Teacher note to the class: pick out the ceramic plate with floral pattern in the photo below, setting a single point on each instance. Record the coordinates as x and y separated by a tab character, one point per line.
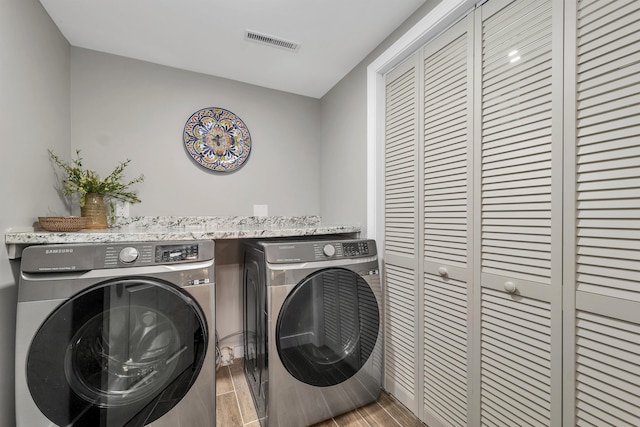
217	139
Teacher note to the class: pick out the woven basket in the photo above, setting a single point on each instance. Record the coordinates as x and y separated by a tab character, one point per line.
62	223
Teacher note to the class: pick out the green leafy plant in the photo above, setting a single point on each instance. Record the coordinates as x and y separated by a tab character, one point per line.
78	180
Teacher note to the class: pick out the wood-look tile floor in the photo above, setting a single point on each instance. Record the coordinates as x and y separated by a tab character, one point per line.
234	406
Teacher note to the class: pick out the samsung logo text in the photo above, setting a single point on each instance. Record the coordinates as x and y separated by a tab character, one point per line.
58	251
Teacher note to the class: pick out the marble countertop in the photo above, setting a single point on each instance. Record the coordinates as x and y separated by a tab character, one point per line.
152	229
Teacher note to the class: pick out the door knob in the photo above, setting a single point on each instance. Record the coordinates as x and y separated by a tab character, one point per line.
510	287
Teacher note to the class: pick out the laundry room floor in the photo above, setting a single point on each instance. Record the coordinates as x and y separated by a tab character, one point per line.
234	406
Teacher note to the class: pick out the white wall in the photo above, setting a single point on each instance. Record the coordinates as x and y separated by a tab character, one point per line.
125	108
34	116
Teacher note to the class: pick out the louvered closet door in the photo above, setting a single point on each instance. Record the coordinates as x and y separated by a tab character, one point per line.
603	259
401	244
519	224
448	153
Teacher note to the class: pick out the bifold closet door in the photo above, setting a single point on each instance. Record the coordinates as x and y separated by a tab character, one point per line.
602	320
401	267
447	168
518	188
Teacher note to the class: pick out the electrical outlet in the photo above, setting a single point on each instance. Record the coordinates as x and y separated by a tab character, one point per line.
122	209
260	210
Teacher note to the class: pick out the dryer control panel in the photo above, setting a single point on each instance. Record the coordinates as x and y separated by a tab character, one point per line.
356	248
308	251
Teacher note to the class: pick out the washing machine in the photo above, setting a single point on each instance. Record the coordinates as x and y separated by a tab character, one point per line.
116	334
312	322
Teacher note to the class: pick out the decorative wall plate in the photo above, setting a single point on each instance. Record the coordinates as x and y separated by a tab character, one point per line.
217	139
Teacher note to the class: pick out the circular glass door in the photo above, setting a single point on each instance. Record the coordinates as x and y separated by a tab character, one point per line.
327	327
120	353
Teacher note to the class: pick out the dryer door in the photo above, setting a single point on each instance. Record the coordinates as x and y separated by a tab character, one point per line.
255	337
327	327
122	353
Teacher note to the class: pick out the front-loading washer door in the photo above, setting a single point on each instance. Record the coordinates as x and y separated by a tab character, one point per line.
122	353
327	327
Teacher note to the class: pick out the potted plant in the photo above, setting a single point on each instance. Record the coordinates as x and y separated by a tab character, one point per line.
92	189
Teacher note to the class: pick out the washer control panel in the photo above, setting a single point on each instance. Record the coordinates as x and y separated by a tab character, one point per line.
172	253
83	257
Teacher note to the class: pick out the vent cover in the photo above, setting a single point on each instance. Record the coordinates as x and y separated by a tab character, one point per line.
271	41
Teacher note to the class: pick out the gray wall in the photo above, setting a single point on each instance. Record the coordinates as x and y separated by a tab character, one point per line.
343	121
124	108
34	115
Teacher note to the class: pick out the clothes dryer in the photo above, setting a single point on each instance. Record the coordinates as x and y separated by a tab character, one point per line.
313	335
116	335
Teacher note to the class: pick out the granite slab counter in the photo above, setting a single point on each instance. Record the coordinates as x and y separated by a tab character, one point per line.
173	228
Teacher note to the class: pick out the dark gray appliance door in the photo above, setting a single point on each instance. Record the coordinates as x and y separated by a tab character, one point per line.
122	353
327	327
255	327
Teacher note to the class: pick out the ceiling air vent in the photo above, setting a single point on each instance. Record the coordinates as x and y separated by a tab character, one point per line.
271	41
